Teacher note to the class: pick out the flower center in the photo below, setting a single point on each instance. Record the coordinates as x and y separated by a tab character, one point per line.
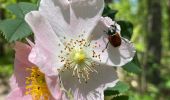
77	57
36	85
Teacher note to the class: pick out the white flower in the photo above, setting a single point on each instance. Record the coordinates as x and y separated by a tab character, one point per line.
67	45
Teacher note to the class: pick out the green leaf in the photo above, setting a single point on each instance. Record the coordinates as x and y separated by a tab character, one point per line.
126	29
121	97
14	29
121	87
109	12
21	9
110	92
133	66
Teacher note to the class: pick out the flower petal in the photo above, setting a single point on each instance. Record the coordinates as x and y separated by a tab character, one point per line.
21	63
46	62
107	22
44	34
22	51
18	94
12	82
73	17
85	14
53	86
18	80
93	89
56	12
47	45
119	56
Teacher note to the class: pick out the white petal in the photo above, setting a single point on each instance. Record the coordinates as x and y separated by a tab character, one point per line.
102	27
95	86
99	36
57	12
44	34
53	86
47	44
85	15
99	48
119	56
70	18
115	56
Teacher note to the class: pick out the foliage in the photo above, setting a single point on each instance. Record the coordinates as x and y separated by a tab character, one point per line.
17	28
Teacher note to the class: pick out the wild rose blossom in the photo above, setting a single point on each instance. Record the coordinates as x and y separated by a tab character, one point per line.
67	45
27	82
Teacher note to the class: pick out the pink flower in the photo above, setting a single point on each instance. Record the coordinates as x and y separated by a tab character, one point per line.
27	82
67	45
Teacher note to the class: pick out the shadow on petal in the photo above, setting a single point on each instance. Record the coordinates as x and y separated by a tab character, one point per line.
87	8
98	82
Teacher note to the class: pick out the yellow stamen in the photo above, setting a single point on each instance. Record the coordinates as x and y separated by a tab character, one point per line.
36	85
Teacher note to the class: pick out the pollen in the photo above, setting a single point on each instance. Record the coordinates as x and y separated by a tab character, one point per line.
77	57
36	85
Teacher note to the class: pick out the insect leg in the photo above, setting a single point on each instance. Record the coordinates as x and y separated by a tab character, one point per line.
106	46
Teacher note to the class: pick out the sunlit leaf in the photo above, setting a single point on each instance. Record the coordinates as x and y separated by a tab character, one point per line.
21	9
15	29
121	87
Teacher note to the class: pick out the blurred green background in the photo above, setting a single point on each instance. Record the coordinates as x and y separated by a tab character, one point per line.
151	36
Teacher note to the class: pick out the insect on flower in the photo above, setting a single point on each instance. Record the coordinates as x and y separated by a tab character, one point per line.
64	47
113	36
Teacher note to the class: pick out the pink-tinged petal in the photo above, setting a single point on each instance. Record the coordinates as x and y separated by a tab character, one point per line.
57	12
12	82
46	62
44	34
18	94
22	51
121	55
93	89
54	87
73	17
21	63
18	79
47	44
